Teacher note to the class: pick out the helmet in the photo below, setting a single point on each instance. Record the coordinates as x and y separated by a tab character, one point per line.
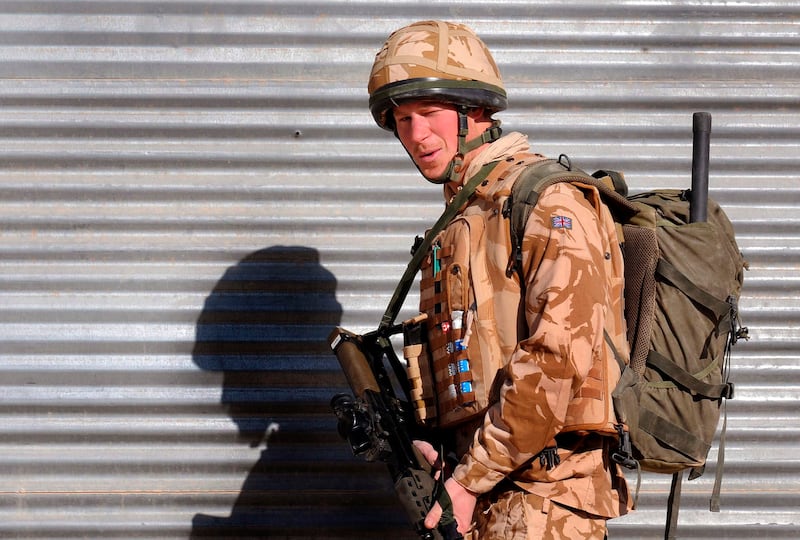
434	60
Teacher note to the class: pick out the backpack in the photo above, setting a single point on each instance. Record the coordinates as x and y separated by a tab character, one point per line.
682	284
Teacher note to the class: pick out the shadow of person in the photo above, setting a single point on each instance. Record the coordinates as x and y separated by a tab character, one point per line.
264	327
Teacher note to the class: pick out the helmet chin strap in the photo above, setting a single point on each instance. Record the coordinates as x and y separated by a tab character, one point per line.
456	166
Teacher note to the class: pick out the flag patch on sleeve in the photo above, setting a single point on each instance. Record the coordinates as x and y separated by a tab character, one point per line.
561	222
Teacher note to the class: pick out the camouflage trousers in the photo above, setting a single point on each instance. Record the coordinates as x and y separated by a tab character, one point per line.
517	515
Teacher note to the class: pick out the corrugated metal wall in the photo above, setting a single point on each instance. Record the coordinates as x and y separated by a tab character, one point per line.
192	193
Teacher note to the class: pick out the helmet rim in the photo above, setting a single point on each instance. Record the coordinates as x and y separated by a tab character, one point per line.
468	93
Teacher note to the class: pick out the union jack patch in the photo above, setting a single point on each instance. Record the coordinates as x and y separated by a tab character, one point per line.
561	222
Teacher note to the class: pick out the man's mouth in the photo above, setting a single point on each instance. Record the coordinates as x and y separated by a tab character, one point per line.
426	156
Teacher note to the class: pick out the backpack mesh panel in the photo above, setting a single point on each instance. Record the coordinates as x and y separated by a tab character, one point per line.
641	257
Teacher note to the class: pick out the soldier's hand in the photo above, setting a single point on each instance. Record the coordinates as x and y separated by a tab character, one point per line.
463	500
431	456
463	507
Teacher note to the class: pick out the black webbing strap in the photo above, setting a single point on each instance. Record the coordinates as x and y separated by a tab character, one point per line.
401	291
617	356
673	505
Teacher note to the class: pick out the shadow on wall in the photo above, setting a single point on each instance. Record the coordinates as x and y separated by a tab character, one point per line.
264	327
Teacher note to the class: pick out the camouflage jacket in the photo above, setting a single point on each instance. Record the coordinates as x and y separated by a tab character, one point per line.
554	387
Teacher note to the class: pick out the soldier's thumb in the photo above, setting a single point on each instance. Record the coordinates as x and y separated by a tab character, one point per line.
433	517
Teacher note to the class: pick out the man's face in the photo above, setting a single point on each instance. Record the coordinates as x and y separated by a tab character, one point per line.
429	132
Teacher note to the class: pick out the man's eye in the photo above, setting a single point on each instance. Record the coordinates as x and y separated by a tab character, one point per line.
434	112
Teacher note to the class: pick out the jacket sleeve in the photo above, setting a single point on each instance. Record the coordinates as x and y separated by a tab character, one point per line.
564	304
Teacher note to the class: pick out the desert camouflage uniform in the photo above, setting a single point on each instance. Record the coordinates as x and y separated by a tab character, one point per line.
555	386
555	370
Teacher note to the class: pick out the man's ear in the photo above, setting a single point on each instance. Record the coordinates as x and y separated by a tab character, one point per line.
478	114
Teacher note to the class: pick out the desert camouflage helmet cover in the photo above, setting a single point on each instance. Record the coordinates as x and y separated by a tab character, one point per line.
434	59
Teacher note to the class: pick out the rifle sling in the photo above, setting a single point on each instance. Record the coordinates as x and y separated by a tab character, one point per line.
401	291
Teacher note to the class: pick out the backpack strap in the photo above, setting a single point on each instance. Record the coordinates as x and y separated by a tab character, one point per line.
721	309
618	183
542	174
690	381
673	506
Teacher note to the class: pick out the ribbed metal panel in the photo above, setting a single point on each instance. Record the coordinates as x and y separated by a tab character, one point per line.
192	194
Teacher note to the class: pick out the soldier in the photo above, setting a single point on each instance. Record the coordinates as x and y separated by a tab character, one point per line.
525	404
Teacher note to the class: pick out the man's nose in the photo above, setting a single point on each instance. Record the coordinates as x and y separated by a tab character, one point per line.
419	128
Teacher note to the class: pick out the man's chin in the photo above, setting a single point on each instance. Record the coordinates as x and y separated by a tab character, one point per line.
431	174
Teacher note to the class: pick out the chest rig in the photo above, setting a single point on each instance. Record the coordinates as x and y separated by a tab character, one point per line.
453	350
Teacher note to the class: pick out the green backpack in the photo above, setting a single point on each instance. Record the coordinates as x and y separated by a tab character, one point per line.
682	284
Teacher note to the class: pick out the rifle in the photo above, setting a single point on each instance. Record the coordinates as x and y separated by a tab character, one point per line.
375	421
378	425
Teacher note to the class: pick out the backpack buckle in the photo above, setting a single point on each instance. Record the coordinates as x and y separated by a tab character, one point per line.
417	242
727	393
624	454
549	458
